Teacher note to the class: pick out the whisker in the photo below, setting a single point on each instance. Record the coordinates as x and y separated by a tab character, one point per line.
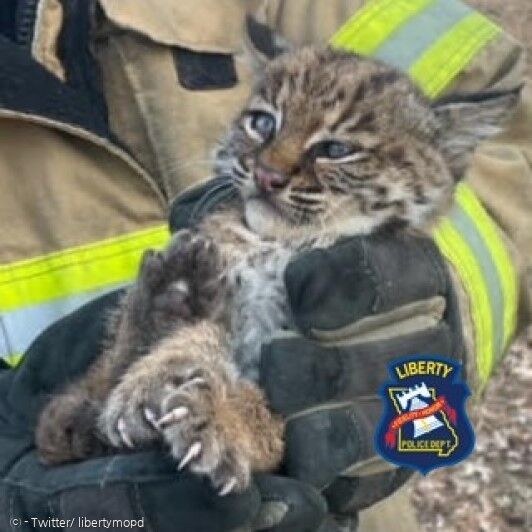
223	184
220	197
195	162
240	176
304	200
308	190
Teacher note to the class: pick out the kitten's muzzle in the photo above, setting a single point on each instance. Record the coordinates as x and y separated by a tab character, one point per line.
268	179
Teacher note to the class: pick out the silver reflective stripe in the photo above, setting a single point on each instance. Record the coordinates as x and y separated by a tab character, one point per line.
20	327
407	44
468	229
4	339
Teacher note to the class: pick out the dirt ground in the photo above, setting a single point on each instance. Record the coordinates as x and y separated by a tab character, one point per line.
492	490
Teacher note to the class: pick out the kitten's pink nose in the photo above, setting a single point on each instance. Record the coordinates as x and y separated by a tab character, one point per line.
269	179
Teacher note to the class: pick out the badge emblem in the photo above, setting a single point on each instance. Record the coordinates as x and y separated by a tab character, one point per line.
425	424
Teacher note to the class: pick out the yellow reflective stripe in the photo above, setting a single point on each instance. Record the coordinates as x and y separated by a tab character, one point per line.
500	256
78	269
13	360
373	24
457	251
440	64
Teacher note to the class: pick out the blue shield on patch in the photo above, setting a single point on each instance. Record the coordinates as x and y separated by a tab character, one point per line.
424	423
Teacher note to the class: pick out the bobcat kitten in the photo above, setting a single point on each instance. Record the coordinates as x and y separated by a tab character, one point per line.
329	144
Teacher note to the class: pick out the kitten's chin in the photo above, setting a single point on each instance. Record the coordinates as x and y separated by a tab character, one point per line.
266	221
262	218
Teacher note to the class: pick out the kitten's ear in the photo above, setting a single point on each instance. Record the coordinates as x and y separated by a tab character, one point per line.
467	120
262	44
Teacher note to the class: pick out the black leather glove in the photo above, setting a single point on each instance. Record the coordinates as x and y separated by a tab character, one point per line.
144	487
358	306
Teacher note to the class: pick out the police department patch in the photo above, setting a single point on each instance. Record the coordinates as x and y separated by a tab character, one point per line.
425	424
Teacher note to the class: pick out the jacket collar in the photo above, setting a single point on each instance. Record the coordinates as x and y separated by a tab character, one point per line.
28	88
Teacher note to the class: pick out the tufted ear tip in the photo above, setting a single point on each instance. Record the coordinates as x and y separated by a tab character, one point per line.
262	44
468	119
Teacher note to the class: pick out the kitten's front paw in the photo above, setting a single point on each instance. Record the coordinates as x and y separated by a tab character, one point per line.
188	409
185	280
129	417
201	427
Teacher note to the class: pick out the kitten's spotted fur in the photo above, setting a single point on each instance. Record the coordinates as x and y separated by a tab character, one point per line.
329	144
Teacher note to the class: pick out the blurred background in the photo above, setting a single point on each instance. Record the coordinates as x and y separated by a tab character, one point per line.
492	490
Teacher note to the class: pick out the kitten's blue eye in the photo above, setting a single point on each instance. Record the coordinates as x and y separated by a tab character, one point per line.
262	123
333	149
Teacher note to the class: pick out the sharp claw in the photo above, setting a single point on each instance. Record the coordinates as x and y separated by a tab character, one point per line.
227	487
121	426
196	381
151	417
174	416
193	452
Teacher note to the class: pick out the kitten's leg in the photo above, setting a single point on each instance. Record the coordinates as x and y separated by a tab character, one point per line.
67	428
187	389
181	284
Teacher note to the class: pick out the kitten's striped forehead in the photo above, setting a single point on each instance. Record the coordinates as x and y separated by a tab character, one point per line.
330	89
352	143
